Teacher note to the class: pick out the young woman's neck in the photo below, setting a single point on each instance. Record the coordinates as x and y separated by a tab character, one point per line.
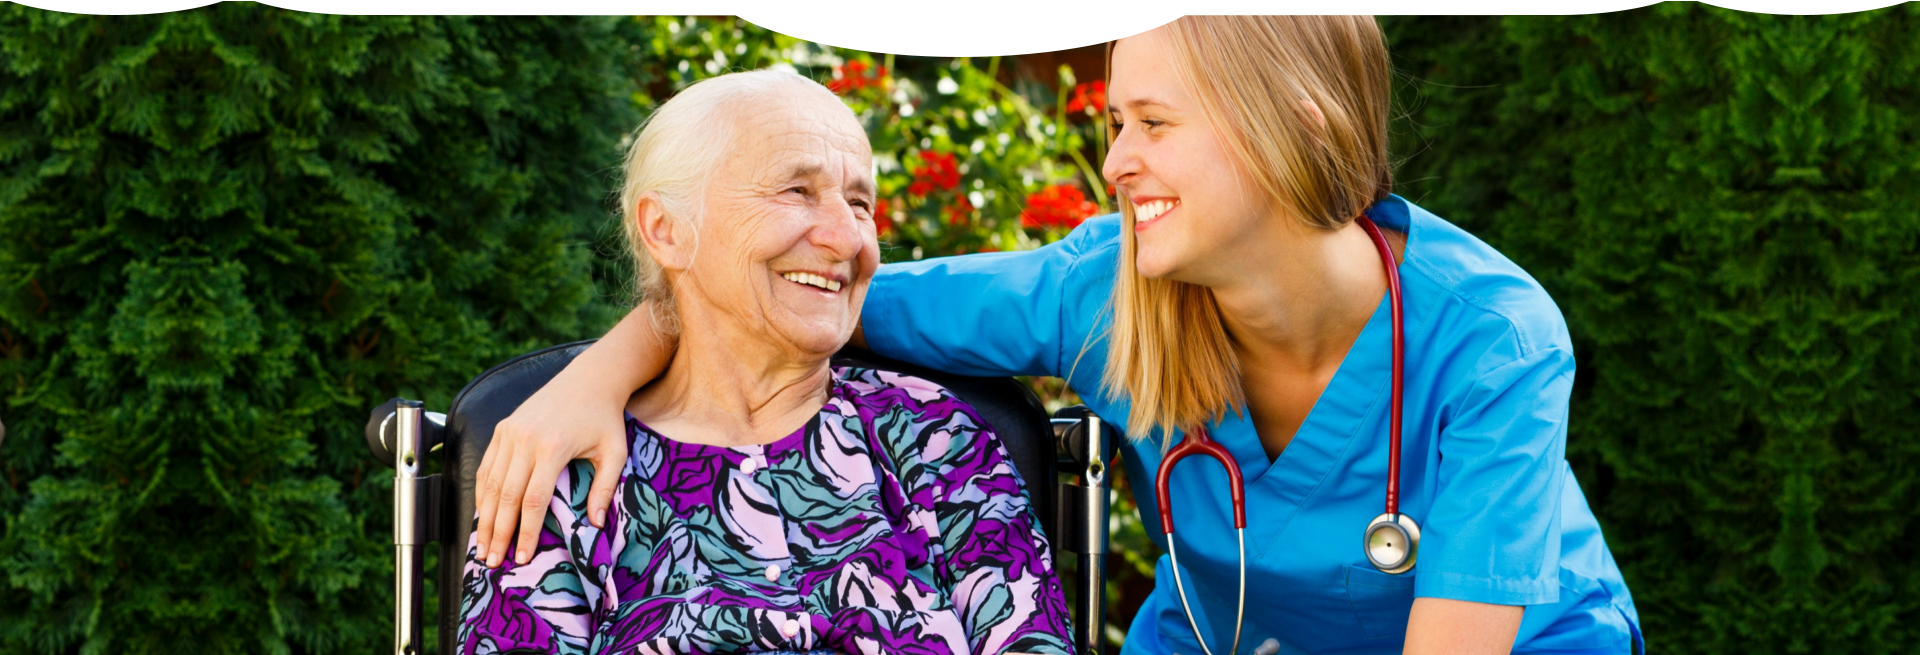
730	387
1301	294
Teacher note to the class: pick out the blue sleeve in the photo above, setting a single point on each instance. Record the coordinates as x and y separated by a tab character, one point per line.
993	314
1493	532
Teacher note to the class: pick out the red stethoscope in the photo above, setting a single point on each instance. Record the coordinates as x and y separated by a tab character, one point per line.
1392	539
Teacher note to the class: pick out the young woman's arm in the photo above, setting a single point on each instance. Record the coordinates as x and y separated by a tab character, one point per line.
1444	626
577	415
1009	313
1491	545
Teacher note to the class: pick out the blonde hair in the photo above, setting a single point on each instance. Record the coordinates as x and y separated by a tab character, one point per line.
1169	351
675	155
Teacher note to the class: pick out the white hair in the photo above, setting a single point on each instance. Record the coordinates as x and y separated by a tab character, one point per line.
675	156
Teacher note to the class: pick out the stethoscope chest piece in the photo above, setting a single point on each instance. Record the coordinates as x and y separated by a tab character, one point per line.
1392	543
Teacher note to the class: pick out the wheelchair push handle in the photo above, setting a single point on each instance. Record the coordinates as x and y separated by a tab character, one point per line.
382	431
400	433
1083	447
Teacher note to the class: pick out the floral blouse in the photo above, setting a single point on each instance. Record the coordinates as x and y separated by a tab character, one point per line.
894	522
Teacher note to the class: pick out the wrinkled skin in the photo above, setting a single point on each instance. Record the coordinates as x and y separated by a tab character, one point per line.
794	194
796	197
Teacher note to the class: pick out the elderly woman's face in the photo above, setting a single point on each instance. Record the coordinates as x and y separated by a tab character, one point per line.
788	246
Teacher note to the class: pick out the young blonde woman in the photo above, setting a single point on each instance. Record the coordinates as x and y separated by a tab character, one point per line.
1240	293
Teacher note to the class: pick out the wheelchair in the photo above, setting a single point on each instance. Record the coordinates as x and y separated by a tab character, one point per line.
1074	443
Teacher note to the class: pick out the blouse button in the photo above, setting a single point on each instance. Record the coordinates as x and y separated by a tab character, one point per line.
748	465
773	572
790	628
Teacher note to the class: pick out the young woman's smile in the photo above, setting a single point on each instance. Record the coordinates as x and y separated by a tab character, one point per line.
1148	211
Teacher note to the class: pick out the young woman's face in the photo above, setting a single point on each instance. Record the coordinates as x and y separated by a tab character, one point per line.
1192	201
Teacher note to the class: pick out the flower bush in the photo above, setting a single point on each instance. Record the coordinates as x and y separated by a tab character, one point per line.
1088	98
1059	205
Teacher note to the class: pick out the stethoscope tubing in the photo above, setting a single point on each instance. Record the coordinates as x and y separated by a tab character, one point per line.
1197	441
1399	366
1240	611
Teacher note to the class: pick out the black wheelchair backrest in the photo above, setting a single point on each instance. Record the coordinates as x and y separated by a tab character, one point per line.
1007	406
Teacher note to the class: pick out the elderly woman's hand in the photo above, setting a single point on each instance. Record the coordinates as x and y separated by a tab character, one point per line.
580	414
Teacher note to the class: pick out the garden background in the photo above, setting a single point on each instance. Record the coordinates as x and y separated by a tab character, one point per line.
226	233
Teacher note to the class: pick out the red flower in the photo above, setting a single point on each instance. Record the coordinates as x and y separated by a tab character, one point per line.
1088	97
882	216
937	171
853	76
959	211
1059	205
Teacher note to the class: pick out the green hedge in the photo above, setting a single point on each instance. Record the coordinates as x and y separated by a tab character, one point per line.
1724	206
225	233
228	232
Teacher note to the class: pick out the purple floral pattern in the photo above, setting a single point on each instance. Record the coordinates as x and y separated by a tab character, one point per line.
893	523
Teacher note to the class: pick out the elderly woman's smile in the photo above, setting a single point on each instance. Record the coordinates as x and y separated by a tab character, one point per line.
825	282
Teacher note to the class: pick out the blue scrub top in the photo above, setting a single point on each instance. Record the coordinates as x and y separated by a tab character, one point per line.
1489	374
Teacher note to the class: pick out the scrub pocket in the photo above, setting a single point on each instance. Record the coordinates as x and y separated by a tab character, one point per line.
1381	602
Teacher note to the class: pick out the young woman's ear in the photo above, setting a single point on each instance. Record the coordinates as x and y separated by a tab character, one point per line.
667	238
1313	110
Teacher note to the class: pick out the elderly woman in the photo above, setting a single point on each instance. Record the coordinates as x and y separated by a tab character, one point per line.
772	502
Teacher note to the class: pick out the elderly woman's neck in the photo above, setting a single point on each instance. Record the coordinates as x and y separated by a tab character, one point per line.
731	392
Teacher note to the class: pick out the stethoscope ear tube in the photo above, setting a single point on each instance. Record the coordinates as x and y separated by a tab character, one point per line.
1196	441
1239	614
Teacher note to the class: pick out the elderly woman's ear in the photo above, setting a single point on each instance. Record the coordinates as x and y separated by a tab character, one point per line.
669	239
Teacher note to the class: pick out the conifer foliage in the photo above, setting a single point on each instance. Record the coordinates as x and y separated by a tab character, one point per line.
1723	205
225	234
